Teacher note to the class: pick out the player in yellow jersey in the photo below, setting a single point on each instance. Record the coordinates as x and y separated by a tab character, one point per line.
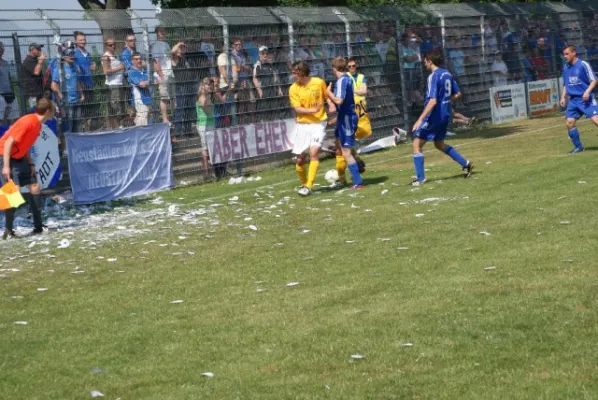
307	97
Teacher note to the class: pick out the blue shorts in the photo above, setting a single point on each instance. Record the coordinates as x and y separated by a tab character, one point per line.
346	126
431	132
577	107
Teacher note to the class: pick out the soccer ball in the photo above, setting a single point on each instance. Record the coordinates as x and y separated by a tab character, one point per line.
331	176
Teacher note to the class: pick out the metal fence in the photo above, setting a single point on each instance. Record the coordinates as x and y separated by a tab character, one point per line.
220	77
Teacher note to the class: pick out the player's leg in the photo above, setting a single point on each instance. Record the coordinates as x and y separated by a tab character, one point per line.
300	168
317	133
346	133
573	113
300	147
341	164
418	158
574	135
455	155
9	213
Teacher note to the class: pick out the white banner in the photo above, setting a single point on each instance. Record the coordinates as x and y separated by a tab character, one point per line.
508	103
543	97
239	142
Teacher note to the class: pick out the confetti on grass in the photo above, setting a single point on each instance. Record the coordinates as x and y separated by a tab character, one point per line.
21	322
176	301
485	233
95	393
357	356
490	268
291	284
208	374
405	345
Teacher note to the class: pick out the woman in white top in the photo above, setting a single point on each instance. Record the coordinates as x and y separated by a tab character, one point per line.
114	72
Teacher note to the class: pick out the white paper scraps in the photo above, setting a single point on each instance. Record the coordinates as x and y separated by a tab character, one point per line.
291	284
419	215
64	243
568	260
208	374
384	192
252	227
562	197
354	206
21	322
565	222
349	241
581	182
99	258
260	290
306	230
405	345
16	297
182	237
402	248
368	210
357	356
490	268
384	239
234	198
97	371
111	260
485	233
488	162
248	219
95	393
32	244
176	301
42	289
278	244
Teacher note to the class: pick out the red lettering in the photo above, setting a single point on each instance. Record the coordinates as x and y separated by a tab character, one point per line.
243	142
234	143
258	139
216	155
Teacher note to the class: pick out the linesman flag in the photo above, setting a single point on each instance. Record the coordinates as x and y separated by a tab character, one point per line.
10	196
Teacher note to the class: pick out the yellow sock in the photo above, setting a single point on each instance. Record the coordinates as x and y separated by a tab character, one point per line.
313	171
301	173
341	166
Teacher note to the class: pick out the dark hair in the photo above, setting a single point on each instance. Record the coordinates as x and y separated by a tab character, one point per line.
571	48
135	54
351	59
78	33
43	105
435	57
159	28
301	67
339	64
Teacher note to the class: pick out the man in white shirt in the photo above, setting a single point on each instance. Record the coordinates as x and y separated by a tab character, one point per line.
223	68
163	67
500	72
114	71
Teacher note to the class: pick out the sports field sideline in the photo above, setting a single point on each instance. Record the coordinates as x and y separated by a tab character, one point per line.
480	288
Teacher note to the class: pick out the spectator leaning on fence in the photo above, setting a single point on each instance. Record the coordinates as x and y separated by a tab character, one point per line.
5	87
206	122
86	68
266	82
72	82
500	72
141	96
32	74
225	69
114	72
161	53
127	54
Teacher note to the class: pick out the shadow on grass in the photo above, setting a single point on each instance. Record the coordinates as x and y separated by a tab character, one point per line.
374	180
460	176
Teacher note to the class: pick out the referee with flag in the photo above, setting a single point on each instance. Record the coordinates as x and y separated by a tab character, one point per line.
17	164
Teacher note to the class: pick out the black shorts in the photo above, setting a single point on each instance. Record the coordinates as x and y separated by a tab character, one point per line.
20	172
8	97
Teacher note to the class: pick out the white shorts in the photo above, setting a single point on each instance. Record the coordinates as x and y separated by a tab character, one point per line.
308	136
202	131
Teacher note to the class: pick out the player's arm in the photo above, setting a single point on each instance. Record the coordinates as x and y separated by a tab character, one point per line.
55	85
299	109
455	91
7	151
363	90
340	92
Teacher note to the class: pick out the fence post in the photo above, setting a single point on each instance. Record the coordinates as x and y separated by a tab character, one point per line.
404	94
482	70
347	30
18	62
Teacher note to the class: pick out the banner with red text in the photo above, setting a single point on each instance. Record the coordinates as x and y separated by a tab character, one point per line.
246	141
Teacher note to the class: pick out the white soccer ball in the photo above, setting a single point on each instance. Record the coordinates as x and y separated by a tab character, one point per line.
331	176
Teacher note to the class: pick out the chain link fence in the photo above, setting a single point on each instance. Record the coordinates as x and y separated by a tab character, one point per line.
207	72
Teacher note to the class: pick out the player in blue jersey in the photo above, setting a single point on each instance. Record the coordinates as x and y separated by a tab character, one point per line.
346	120
579	82
434	120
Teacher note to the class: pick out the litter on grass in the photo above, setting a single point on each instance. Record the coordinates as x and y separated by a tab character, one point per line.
357	356
176	301
208	374
291	284
490	268
95	393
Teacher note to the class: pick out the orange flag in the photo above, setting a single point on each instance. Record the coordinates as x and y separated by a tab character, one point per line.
10	197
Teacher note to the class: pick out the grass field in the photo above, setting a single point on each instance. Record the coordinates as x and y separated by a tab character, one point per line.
494	285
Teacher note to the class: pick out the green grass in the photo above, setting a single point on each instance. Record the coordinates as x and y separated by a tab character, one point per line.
526	329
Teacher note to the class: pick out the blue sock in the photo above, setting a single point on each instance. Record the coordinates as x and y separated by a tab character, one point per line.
574	135
454	154
354	169
418	163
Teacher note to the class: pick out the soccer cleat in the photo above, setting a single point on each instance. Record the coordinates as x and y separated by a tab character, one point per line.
337	185
304	191
576	150
467	170
357	187
9	235
39	231
361	165
415	182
